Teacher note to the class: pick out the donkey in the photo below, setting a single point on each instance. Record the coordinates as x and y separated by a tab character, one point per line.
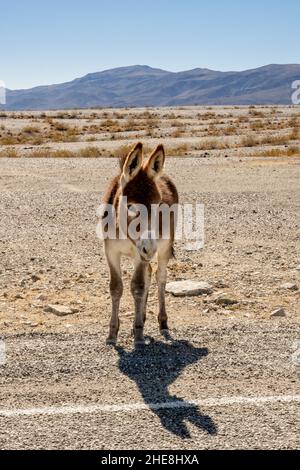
140	183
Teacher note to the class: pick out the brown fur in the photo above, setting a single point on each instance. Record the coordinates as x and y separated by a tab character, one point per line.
142	189
142	182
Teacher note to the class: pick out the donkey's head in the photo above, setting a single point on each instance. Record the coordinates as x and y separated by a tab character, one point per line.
139	194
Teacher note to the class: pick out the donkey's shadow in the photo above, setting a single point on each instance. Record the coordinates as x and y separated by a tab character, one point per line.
153	369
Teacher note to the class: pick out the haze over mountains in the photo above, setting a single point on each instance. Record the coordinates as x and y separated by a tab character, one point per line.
141	85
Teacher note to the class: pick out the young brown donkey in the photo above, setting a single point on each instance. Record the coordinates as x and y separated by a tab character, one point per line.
141	183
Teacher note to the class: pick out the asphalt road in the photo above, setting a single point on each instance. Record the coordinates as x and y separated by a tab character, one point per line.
234	386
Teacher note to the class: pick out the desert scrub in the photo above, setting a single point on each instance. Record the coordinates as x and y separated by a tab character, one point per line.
122	151
282	139
30	130
86	152
9	153
131	125
178	150
230	130
9	139
212	144
242	119
294	122
249	141
256	113
110	125
256	125
49	153
90	152
59	126
291	151
294	134
177	133
207	116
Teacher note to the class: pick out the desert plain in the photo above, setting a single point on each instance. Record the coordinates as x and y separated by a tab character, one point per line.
243	164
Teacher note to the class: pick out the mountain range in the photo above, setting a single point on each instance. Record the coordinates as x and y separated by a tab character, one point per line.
141	85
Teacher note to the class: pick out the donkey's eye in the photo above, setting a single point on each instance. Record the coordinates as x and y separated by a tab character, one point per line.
132	210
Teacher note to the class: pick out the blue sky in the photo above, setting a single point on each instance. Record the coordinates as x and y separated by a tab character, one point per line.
56	41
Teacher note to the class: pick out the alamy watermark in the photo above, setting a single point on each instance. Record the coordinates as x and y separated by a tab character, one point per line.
296	353
2	352
184	222
296	94
2	93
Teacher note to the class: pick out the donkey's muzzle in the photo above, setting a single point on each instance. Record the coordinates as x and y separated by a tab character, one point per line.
147	246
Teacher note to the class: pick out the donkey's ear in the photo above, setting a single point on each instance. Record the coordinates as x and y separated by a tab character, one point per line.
133	163
155	163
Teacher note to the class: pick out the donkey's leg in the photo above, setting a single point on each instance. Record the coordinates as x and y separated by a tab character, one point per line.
116	290
161	278
139	289
148	282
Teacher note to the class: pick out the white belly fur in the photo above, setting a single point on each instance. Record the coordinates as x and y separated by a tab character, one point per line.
128	249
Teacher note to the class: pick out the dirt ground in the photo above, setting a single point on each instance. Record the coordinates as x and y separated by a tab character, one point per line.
49	253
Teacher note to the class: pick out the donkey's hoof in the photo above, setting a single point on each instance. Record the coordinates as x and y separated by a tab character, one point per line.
139	343
165	333
111	341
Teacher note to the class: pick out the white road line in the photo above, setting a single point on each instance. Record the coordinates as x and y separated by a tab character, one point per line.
205	402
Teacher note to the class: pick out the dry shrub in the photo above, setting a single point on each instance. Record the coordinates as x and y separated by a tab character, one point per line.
212	144
291	151
293	122
294	135
9	153
110	125
282	139
256	125
9	140
86	152
241	119
131	125
31	130
249	141
122	151
229	130
59	126
90	152
177	133
178	150
256	113
207	116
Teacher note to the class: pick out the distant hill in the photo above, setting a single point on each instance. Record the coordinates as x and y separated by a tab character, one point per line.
140	85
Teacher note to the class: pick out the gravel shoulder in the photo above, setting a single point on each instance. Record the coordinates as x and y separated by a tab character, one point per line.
49	251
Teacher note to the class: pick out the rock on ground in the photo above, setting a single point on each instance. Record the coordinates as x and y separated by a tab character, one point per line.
188	288
279	312
289	286
60	310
